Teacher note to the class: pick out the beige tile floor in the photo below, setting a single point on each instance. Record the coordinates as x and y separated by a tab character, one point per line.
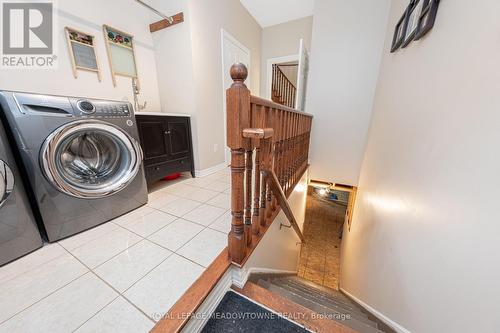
320	255
122	275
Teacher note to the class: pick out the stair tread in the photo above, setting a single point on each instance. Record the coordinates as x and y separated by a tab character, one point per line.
324	293
328	301
362	325
359	323
317	288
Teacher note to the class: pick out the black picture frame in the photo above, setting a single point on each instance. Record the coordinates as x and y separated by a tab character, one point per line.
399	30
414	12
427	18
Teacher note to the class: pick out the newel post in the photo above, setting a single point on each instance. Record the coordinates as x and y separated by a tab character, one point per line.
238	118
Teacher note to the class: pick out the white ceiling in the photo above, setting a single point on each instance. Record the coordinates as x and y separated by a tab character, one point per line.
271	12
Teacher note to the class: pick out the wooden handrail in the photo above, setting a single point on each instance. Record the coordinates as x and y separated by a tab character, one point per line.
269	145
280	195
258	133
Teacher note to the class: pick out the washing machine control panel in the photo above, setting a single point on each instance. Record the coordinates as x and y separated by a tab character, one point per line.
105	109
113	110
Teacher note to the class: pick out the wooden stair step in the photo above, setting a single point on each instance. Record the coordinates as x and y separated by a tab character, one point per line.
329	302
318	292
296	312
358	325
328	292
335	307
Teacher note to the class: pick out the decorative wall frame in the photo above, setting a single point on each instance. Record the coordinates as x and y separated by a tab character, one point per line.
427	18
412	18
82	52
399	31
121	53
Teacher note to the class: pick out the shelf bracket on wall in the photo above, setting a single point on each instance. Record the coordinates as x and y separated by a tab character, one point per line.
162	24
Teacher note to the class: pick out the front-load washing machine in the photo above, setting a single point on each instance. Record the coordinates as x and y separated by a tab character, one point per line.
81	157
19	234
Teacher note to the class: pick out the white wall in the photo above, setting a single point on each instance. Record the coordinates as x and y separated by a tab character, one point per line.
174	63
208	17
283	40
189	61
89	16
347	43
278	249
423	248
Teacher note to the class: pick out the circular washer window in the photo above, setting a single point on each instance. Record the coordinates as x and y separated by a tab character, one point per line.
90	160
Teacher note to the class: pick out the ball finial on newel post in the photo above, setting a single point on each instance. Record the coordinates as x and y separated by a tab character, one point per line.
239	73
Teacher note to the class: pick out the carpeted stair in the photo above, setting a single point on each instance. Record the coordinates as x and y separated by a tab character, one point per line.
237	314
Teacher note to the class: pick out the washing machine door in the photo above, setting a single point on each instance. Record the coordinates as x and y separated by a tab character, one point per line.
6	182
90	159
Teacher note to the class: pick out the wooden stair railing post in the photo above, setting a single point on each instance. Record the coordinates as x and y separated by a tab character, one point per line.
238	118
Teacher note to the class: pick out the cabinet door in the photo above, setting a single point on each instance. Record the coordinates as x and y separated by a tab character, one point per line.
178	137
153	139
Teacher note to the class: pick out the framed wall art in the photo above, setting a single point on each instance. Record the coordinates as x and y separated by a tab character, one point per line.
82	52
413	17
427	18
397	39
121	53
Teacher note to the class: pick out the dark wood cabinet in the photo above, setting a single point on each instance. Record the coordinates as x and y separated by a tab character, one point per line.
166	144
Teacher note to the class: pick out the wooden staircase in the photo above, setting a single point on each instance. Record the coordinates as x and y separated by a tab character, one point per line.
320	309
283	91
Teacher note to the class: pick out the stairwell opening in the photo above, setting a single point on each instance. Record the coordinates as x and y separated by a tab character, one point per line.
328	208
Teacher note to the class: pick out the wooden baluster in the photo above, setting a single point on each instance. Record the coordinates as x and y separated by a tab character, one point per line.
284	149
297	150
287	90
269	165
238	118
271	196
273	81
282	133
265	184
248	194
258	122
294	153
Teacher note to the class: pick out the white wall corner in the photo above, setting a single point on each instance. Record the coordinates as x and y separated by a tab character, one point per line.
389	322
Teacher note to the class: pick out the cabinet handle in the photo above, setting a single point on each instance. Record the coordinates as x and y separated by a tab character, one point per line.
167	132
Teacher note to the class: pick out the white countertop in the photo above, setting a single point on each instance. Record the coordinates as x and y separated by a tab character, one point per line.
162	114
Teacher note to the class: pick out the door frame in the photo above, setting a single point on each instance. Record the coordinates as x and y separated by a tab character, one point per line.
270	63
224	35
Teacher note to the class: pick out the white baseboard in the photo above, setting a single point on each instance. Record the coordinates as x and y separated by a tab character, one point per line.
240	275
209	171
389	322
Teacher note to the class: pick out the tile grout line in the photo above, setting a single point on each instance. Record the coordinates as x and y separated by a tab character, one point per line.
114	289
38	301
90	270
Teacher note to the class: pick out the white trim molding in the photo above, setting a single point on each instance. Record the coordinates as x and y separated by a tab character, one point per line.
224	35
207	308
389	322
240	275
211	170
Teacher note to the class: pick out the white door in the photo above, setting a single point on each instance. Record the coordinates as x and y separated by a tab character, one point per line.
303	73
232	52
